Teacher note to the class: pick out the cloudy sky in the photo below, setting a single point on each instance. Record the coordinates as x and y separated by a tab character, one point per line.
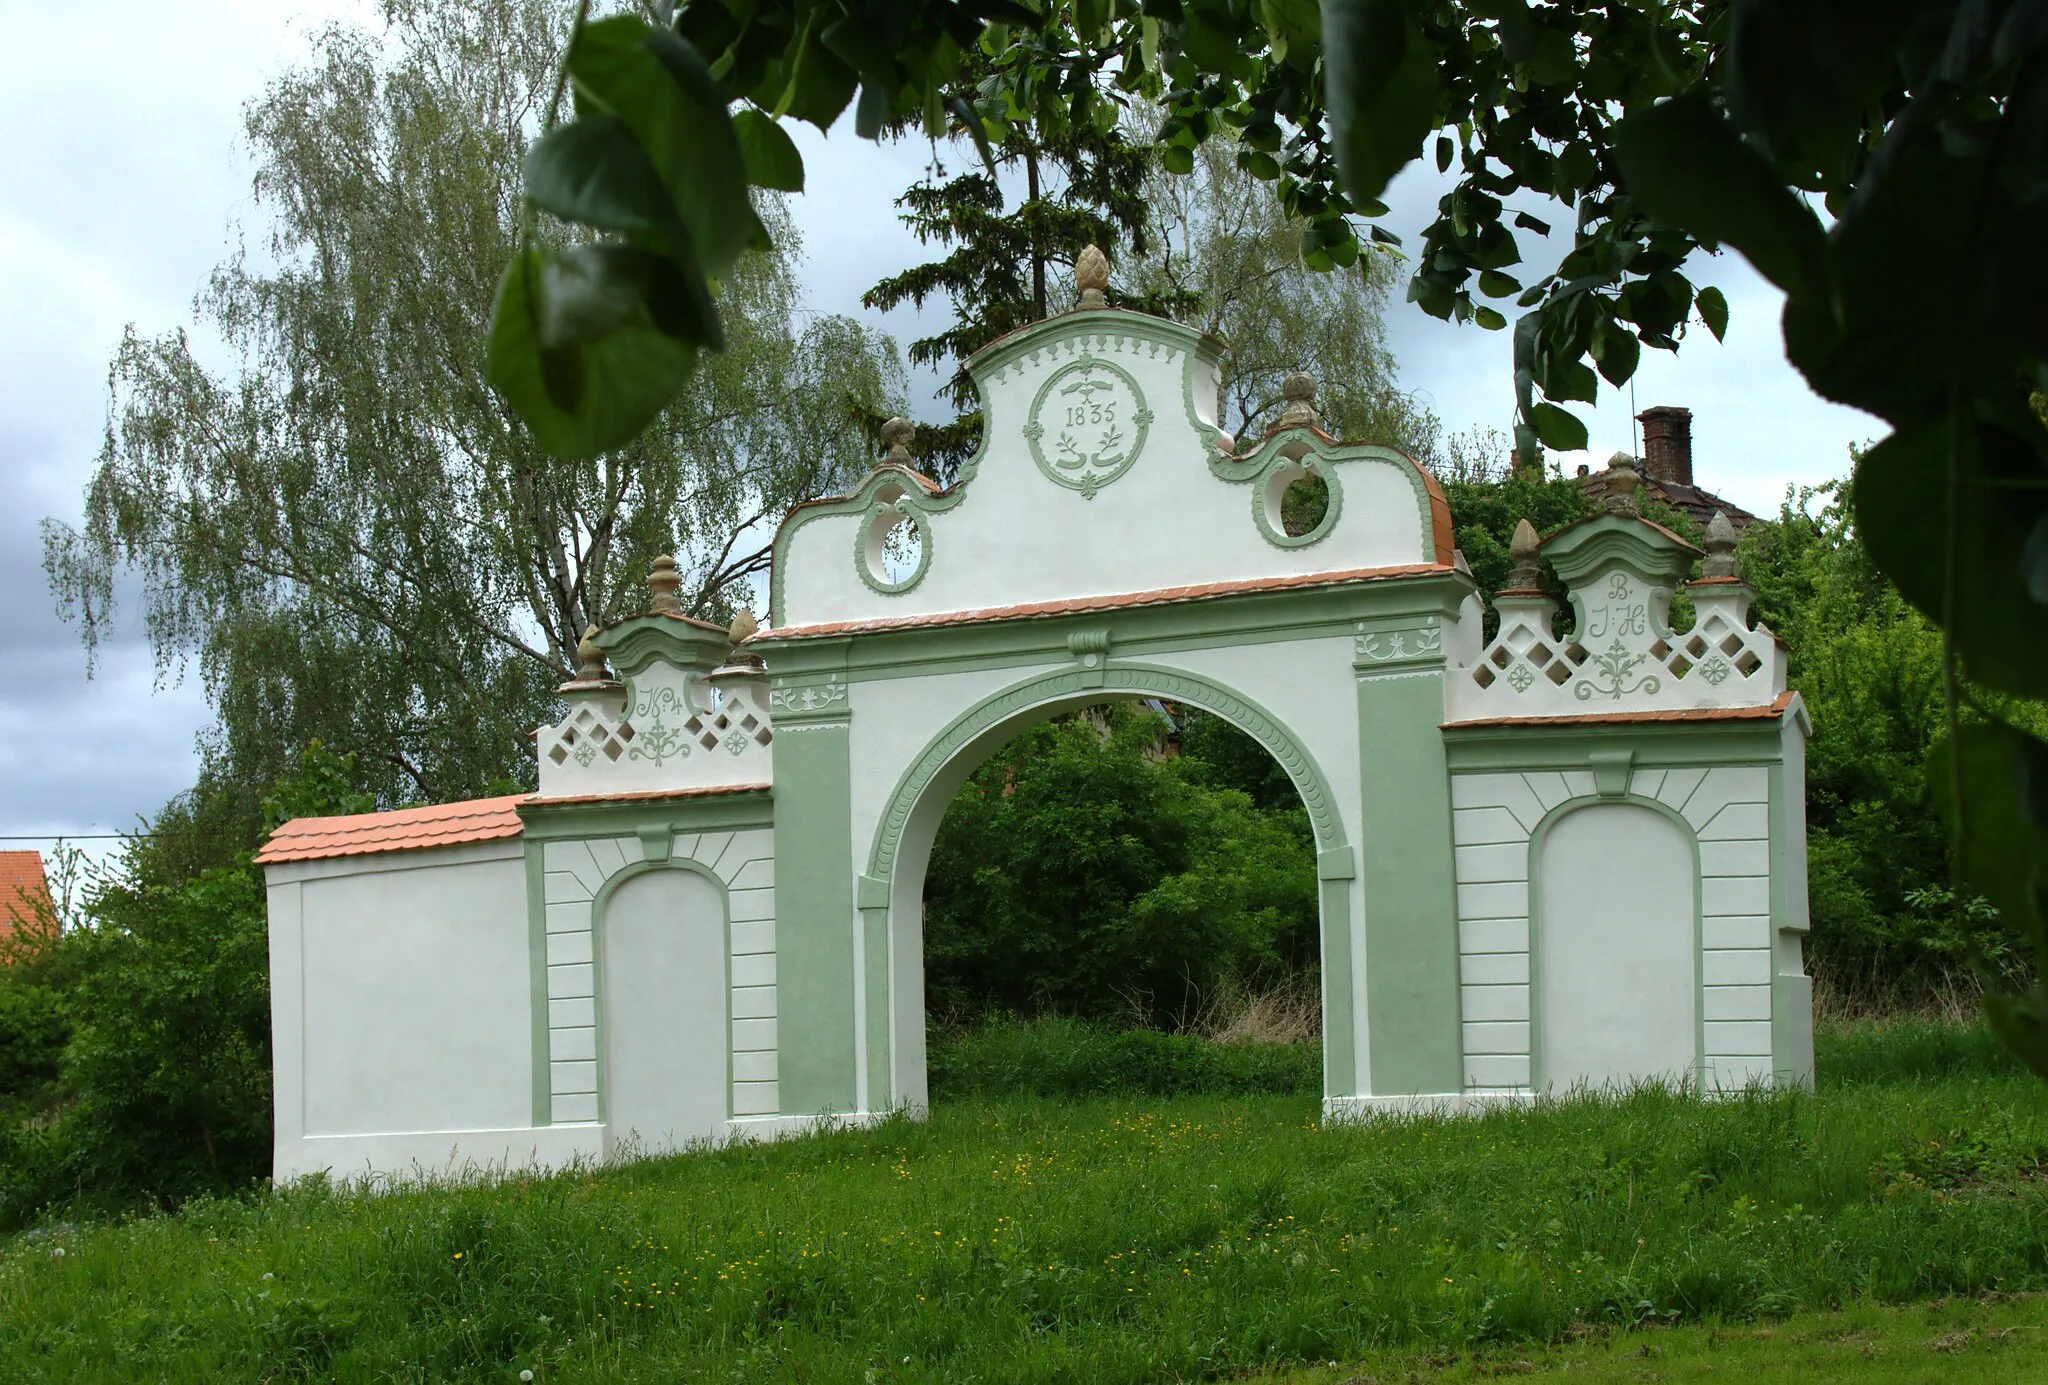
124	179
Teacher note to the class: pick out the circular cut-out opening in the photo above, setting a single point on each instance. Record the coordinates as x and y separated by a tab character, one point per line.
1303	504
895	549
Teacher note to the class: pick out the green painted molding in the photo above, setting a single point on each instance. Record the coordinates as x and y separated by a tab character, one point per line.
1034	427
1397	644
907	491
546	821
637	641
871	893
1611	771
537	972
1234	619
1654	744
1338	863
1141	679
892	511
1592	545
1314	452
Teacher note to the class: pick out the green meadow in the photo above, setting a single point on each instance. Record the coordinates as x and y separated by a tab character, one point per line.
1131	1236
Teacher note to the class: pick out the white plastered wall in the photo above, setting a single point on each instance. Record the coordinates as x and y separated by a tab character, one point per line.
401	1014
1495	816
402	1003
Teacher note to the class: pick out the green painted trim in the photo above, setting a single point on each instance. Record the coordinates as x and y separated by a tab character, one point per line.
1590	546
1237	619
1656	745
548	822
1413	1005
1102	325
1276	534
637	641
815	920
1699	979
1020	698
900	509
632	870
1383	645
537	984
1338	863
1340	1025
874	923
912	498
1291	444
1034	429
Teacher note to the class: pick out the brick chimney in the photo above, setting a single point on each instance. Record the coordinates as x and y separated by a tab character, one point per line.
1667	443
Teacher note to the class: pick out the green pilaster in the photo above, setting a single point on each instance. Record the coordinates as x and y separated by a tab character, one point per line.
1411	925
814	917
872	896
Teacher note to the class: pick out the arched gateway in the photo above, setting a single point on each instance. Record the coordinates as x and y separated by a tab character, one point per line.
1546	859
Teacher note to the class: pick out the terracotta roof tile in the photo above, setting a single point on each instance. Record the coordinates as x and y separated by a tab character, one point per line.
1771	713
404	829
444	824
1085	605
24	890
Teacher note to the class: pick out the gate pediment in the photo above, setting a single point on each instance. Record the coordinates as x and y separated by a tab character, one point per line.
1102	472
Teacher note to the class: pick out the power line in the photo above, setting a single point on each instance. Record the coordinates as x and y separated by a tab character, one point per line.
78	837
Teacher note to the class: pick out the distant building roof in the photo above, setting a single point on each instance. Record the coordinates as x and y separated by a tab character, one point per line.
25	901
1667	470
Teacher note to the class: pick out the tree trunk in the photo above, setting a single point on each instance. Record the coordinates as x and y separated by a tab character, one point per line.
1037	250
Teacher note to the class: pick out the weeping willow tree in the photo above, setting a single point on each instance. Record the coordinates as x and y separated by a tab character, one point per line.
332	515
1219	242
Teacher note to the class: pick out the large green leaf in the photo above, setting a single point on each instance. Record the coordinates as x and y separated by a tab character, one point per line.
770	154
1560	431
587	347
1903	490
656	84
2001	851
1686	166
1382	89
593	172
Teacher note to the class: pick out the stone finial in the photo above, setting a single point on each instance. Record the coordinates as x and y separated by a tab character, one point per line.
1091	276
590	659
1720	546
1527	551
1299	390
743	627
897	434
1619	484
662	584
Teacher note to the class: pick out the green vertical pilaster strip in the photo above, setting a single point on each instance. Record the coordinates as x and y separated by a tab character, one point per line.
1335	870
1411	918
814	917
872	896
537	969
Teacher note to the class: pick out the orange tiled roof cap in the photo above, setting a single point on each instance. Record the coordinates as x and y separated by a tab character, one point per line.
403	829
444	824
24	891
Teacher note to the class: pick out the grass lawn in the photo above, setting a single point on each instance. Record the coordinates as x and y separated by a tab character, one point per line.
1949	1342
1134	1238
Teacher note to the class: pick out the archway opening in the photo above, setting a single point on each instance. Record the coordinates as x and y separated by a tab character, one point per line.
1140	864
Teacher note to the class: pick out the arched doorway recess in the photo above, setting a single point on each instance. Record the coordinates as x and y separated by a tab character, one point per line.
894	1021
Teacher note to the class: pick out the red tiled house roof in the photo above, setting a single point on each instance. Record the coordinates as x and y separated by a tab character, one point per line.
24	893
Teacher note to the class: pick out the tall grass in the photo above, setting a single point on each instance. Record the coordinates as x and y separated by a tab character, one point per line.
1108	1240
